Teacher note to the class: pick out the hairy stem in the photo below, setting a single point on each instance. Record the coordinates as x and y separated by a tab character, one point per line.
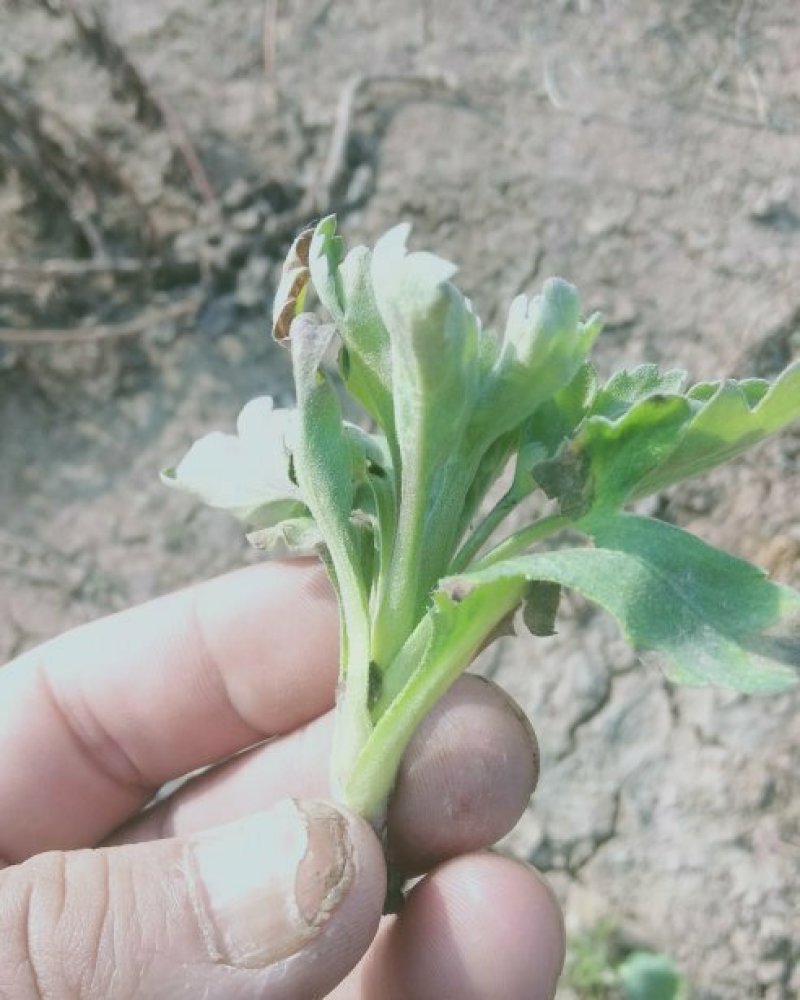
521	540
444	659
484	530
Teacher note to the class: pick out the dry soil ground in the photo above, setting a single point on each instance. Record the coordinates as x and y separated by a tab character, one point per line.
649	151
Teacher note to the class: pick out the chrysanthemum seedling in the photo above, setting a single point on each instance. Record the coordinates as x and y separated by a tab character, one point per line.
396	513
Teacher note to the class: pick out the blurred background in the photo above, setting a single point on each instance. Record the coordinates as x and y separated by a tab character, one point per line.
156	158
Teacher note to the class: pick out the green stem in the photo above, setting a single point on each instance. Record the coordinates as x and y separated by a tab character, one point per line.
386	506
353	725
484	531
402	667
423	547
372	778
394	615
521	540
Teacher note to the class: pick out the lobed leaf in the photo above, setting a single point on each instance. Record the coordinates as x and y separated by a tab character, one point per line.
629	386
365	363
435	341
639	435
544	345
246	474
727	421
620	453
705	615
325	253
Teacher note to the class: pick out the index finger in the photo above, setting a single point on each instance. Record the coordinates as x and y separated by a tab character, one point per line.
91	723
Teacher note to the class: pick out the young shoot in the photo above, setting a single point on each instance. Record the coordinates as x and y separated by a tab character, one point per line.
397	512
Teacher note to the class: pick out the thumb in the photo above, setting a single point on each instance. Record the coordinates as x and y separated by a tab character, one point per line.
279	905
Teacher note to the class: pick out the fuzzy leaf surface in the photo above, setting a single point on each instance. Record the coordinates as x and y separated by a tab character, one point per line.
620	453
630	385
641	434
435	342
366	362
325	253
544	345
324	460
729	417
706	616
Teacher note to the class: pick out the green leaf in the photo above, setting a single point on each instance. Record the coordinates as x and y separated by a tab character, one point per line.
435	360
545	458
325	253
727	421
323	452
619	453
434	336
441	647
365	363
754	390
640	436
705	615
632	425
544	345
323	462
345	289
722	621
246	474
645	975
540	607
628	386
556	420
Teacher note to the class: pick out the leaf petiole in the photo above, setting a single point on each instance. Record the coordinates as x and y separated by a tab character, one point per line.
517	543
485	529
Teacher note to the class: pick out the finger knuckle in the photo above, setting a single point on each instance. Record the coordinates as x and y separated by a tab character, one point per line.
53	928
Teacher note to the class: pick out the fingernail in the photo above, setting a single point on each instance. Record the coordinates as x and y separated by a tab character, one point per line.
267	885
325	865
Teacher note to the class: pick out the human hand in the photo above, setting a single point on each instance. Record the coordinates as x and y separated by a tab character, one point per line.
229	888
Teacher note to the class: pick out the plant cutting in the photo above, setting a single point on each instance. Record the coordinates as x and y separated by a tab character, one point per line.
423	569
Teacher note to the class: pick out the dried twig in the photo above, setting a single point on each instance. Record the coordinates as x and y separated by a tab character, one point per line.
191	158
42	158
737	55
126	78
109	331
61	163
151	107
334	166
178	271
74	268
